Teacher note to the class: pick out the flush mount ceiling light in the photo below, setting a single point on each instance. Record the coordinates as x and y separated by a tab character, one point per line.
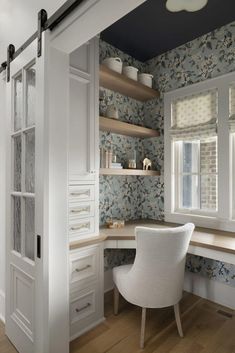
186	5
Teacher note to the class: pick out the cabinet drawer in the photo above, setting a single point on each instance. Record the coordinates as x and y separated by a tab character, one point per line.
86	309
84	266
81	193
82	306
80	227
81	210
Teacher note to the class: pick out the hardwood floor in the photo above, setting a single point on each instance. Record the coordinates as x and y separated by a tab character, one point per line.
208	328
5	344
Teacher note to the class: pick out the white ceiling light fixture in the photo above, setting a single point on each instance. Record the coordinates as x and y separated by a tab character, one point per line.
185	5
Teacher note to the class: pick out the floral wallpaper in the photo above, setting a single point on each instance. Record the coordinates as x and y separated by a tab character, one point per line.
121	196
206	57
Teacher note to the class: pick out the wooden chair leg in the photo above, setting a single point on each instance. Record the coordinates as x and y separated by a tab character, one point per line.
115	300
142	332
178	320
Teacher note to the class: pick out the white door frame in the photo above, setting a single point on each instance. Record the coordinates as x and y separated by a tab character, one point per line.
82	25
88	20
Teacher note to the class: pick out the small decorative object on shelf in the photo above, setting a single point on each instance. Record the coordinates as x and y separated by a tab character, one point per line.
131	72
132	159
115	223
146	79
116	165
114	64
102	157
112	112
147	164
109	159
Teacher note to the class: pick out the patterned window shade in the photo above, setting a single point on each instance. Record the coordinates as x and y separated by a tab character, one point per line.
195	116
232	107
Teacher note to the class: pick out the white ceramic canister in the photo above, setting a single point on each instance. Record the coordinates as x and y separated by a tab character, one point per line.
146	79
114	64
131	72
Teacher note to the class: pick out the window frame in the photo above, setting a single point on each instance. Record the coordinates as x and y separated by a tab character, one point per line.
224	218
233	174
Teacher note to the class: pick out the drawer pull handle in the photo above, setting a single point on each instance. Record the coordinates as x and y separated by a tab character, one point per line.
78	310
80	210
81	226
82	269
86	193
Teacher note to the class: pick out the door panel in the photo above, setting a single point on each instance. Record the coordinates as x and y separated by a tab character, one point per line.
22	300
22	197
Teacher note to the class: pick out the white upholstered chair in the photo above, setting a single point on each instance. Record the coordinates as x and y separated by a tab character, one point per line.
155	280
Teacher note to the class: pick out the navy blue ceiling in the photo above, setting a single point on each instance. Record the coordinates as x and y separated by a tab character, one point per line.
151	30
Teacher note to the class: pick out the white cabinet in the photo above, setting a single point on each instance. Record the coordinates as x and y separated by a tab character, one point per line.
86	289
86	264
83	208
83	123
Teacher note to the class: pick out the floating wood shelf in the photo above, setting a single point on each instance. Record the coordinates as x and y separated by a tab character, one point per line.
120	127
126	86
115	171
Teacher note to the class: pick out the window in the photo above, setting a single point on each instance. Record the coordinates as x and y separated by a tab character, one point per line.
194	137
199	158
196	175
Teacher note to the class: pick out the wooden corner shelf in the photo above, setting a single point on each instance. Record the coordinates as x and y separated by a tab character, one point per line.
122	128
113	171
126	86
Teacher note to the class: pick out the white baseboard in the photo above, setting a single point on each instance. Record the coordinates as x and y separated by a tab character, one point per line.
88	328
215	291
2	306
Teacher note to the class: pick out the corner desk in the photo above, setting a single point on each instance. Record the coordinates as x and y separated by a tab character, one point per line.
210	243
213	244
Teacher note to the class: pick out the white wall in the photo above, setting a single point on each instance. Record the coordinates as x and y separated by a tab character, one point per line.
18	20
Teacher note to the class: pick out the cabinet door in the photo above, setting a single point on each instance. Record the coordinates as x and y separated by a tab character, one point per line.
83	125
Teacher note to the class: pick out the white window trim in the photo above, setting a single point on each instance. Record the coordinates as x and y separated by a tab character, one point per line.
223	218
232	161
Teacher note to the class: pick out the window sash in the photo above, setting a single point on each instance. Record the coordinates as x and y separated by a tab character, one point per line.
178	181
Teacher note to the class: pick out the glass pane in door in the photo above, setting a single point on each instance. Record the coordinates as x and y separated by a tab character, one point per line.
18	91
30	96
17	223
30	161
17	163
29	227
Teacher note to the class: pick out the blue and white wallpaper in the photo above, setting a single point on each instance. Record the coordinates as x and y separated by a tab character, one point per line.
143	197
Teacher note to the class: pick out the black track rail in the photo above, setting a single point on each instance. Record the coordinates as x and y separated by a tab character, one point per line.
51	23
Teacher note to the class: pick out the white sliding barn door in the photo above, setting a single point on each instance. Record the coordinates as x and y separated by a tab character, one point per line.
24	200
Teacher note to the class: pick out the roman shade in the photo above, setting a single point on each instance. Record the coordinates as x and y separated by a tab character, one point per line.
195	116
232	108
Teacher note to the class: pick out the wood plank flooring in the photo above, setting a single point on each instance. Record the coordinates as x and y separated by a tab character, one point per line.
5	344
208	328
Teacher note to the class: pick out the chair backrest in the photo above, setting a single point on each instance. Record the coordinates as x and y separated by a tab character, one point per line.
160	264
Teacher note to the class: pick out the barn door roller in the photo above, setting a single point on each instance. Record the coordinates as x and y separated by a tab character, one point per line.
42	19
10	53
